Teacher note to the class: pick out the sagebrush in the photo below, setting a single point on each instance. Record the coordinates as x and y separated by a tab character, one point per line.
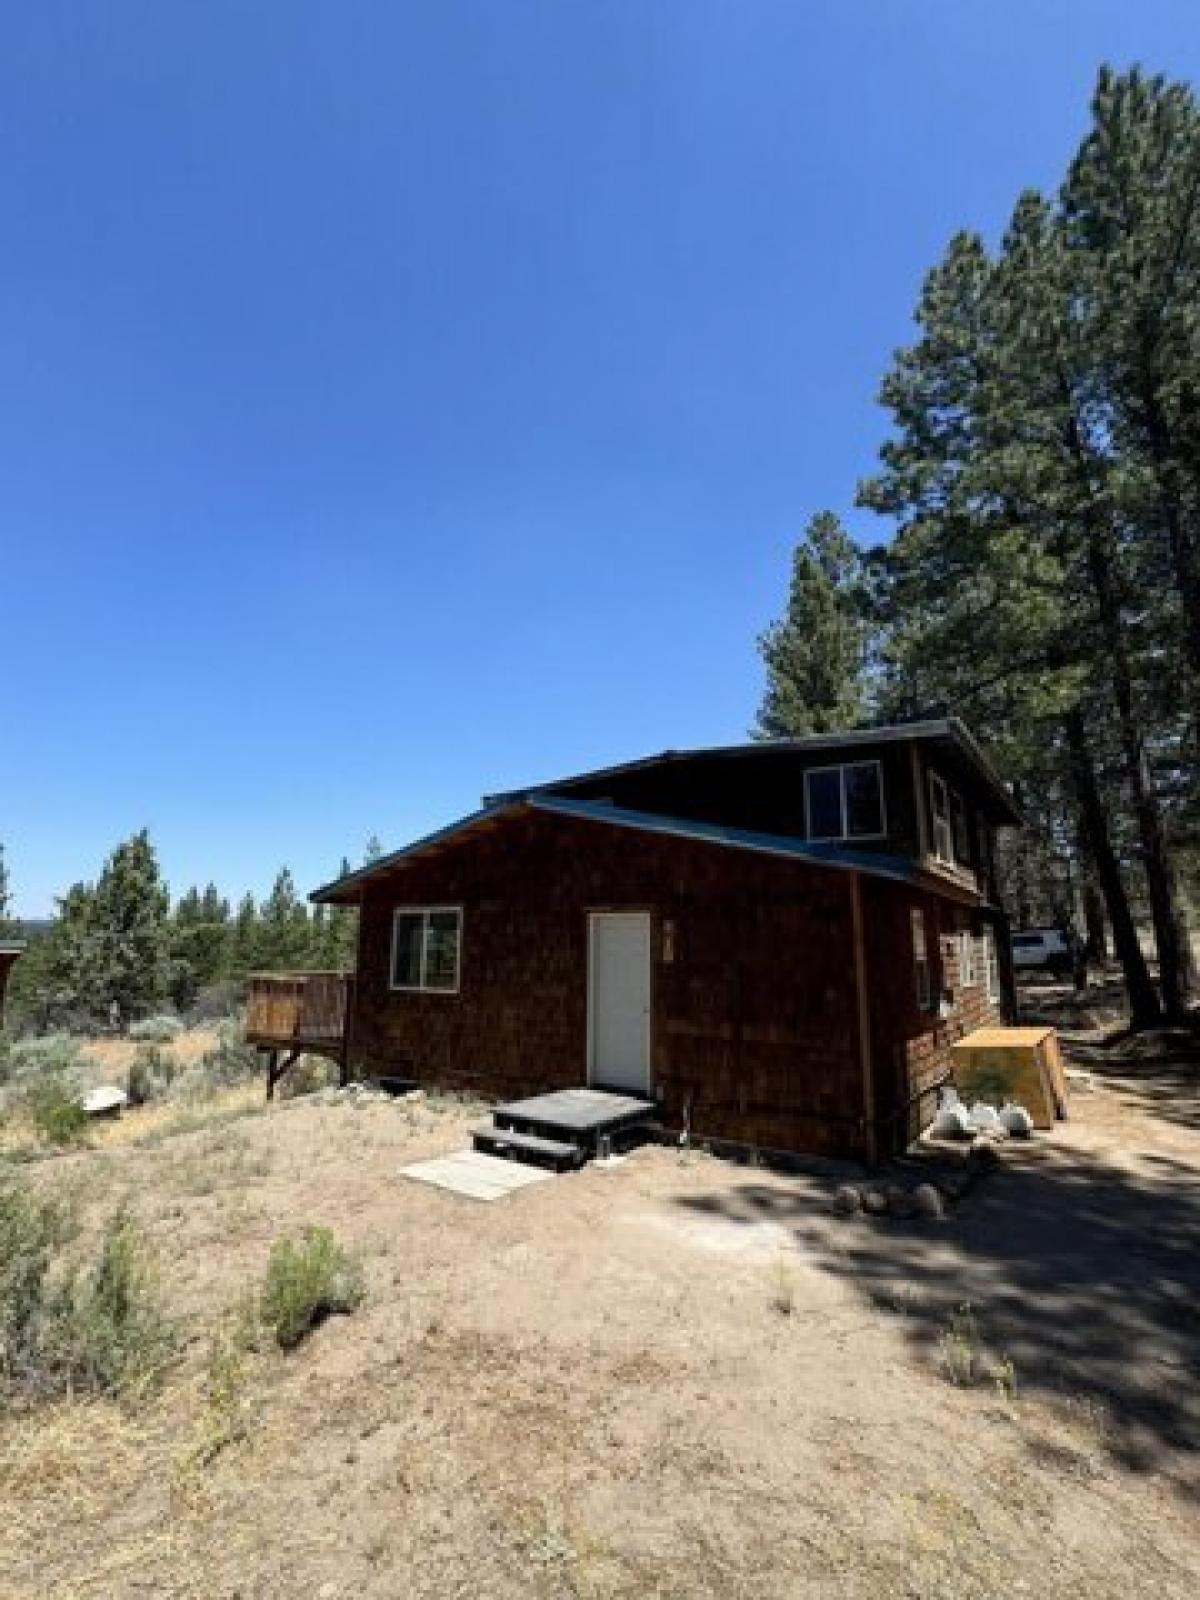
69	1325
307	1282
151	1075
156	1030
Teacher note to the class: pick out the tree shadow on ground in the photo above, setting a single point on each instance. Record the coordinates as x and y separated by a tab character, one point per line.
1159	1070
1084	1273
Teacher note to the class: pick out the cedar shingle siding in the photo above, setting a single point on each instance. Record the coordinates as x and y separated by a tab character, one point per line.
754	1009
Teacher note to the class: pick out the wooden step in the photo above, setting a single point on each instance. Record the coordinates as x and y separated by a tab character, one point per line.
529	1147
621	1135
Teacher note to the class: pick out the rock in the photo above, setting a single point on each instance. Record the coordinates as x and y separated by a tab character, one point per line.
106	1101
847	1200
899	1201
874	1202
927	1202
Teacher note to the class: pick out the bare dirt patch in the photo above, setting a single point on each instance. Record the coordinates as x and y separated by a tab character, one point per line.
595	1387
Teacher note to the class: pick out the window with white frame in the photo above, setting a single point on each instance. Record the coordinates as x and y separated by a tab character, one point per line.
921	975
991	964
426	948
968	975
943	830
845	802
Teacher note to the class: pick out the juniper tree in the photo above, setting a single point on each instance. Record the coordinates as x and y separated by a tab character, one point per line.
5	896
815	653
129	931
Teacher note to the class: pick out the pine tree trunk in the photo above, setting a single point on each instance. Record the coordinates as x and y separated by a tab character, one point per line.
1095	941
1172	969
1143	1001
1091	902
1182	545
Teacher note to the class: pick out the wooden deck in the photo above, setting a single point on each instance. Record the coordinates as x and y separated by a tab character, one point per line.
290	1014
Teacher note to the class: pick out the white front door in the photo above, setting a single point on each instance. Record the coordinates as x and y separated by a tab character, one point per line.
619	1000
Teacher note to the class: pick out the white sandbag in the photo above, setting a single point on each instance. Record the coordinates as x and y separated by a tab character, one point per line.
985	1118
1016	1120
953	1122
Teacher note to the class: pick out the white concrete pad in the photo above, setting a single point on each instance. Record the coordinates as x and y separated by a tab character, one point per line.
475	1174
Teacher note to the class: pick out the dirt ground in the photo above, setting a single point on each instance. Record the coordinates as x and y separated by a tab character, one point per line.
671	1377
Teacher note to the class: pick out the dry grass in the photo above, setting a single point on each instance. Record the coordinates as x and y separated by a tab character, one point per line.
587	1389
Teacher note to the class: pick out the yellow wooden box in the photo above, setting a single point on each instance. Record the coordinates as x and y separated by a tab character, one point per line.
1020	1064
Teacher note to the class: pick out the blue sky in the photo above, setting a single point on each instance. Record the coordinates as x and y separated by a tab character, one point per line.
408	401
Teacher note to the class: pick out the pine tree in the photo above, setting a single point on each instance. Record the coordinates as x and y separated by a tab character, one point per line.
214	907
990	591
201	944
283	926
246	954
1132	212
815	654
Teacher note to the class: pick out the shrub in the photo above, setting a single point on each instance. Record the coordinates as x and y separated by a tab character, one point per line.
33	1230
61	1331
960	1348
156	1030
308	1075
54	1054
118	1340
231	1061
218	1001
55	1110
151	1074
306	1283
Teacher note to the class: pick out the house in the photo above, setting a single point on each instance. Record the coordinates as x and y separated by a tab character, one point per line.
10	954
777	942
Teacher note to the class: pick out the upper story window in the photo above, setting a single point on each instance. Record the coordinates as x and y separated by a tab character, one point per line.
951	829
943	828
958	823
845	802
426	945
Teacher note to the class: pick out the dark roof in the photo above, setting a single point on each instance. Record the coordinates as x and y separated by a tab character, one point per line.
899	868
945	730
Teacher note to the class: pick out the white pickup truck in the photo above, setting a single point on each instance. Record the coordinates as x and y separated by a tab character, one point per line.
1047	948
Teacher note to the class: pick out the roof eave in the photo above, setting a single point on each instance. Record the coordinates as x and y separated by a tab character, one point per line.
345	891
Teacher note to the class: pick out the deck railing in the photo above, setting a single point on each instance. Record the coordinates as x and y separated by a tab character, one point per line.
293	1009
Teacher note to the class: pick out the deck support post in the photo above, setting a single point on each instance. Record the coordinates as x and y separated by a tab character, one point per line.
276	1069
